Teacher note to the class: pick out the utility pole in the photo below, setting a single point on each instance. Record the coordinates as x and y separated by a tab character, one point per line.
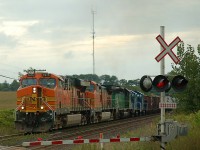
93	32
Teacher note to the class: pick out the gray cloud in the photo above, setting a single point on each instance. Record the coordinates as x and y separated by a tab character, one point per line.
69	55
125	34
7	41
136	17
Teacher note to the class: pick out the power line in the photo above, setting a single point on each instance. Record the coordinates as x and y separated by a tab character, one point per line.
8	77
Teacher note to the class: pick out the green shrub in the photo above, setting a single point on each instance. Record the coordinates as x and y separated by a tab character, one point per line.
7	122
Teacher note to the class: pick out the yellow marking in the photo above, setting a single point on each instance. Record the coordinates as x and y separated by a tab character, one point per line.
33	103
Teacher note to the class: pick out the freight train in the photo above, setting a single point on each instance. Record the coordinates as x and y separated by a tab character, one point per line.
46	101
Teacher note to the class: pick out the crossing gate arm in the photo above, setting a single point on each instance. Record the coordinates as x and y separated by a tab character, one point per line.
86	141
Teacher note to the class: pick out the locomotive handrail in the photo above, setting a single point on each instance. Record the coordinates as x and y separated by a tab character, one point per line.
19	105
47	105
88	105
84	101
16	109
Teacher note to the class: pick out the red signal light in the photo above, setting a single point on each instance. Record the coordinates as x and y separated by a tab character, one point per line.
161	83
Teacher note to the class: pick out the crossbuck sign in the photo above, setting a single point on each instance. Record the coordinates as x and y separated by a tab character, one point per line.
167	49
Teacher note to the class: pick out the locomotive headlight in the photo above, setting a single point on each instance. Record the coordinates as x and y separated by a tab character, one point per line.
42	107
22	107
34	90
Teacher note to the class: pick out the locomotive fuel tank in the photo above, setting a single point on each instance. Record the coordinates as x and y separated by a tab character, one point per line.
74	119
105	116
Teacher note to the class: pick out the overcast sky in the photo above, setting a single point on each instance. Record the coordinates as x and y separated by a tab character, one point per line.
56	35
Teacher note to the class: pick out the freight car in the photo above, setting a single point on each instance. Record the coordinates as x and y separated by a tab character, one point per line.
152	104
47	101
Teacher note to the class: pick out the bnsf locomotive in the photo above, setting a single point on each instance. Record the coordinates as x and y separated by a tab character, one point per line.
47	101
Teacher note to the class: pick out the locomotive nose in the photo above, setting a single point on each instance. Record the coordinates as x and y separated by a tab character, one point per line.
37	90
33	100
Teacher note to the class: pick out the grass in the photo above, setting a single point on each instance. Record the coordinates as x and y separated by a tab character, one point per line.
189	142
27	138
7	122
7	100
146	130
7	106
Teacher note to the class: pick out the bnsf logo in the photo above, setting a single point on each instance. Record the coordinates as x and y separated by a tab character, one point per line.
37	98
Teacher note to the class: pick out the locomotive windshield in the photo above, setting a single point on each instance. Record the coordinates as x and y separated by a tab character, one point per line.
48	82
28	82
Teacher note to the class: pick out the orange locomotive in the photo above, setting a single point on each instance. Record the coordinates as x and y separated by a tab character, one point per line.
46	101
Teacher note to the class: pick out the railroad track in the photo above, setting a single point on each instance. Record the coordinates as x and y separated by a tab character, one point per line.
14	141
109	128
9	137
92	131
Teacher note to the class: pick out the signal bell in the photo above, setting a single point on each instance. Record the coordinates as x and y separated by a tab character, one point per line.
161	83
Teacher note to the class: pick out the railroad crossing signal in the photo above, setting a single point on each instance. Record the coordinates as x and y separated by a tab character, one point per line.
167	49
146	83
161	83
179	83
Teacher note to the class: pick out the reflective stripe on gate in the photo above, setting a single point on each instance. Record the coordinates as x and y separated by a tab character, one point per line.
85	141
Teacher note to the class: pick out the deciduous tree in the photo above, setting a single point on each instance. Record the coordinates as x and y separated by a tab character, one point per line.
189	67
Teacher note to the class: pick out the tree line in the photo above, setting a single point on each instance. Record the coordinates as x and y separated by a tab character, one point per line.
5	86
104	80
189	67
108	80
